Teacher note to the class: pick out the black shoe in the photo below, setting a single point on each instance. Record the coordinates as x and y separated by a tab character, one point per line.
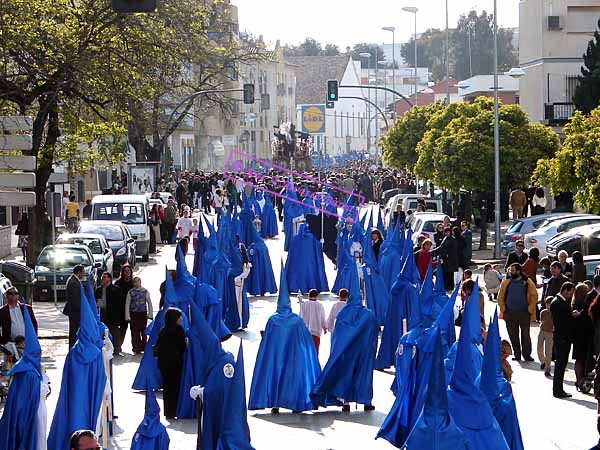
346	408
274	410
516	358
563	395
548	375
528	359
542	366
369	408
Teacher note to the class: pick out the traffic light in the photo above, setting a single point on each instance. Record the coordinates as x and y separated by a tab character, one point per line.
332	91
329	105
248	94
134	6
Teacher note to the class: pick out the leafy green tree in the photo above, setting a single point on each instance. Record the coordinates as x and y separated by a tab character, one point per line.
376	52
431	52
310	47
400	143
576	166
331	50
587	94
460	153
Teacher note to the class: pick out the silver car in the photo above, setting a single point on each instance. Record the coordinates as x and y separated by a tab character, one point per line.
548	230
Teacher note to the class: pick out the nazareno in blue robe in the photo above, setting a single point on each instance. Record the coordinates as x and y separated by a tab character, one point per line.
434	428
376	295
291	209
151	434
469	408
269	227
83	383
497	389
287	366
18	425
305	266
261	278
348	374
201	244
390	256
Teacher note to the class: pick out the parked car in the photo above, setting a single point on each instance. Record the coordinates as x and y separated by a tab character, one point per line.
523	226
119	239
5	283
97	244
551	228
591	263
60	259
409	202
425	224
570	240
131	210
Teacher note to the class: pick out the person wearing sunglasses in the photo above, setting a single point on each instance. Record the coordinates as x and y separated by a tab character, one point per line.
12	323
84	440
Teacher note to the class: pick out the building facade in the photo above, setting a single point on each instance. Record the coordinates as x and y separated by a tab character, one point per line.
483	86
554	35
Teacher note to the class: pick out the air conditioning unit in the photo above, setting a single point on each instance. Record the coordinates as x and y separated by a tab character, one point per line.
554	23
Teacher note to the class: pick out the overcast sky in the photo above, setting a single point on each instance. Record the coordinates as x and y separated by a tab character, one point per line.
347	22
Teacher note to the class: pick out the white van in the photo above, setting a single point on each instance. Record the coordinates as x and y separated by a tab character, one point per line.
409	202
132	211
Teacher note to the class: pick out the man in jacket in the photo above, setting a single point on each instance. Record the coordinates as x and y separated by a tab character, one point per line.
170	220
467	235
517	300
110	300
562	318
72	307
11	317
554	284
518	202
518	256
448	252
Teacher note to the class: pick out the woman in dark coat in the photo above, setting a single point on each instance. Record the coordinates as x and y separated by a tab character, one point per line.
169	350
376	241
460	246
583	334
448	252
438	236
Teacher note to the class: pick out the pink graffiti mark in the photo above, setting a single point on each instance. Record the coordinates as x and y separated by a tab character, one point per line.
236	166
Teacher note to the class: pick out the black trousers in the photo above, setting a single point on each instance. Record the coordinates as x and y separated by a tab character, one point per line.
448	279
517	325
562	348
73	328
171	386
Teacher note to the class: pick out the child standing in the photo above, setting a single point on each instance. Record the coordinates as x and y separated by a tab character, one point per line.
138	309
544	345
492	279
505	352
313	314
336	309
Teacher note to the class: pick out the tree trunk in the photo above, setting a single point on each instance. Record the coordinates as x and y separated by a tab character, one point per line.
39	223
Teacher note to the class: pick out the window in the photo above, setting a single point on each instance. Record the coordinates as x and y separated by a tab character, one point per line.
127	213
110	232
63	258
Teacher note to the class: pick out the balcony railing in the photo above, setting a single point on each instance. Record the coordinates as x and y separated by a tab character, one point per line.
558	114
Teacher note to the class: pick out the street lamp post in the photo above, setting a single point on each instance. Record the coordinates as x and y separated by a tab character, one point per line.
414	10
393	31
497	209
367	57
448	56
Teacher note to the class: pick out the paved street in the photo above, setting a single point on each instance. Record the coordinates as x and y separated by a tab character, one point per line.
546	423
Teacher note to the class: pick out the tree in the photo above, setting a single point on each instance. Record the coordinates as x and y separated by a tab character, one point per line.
400	143
576	166
331	50
473	46
310	47
376	52
587	94
460	154
431	52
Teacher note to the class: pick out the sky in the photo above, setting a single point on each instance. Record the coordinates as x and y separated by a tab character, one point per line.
348	22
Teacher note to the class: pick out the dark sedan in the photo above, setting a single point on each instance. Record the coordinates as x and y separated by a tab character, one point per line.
118	237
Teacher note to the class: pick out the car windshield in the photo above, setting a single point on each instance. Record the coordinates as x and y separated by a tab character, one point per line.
63	258
92	243
515	227
127	213
110	232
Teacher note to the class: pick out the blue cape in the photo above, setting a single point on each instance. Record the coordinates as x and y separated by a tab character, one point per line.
404	294
344	261
201	243
82	386
269	227
426	297
440	297
468	406
435	429
390	257
151	434
286	366
376	295
498	390
305	267
348	374
291	209
205	298
231	315
261	278
18	425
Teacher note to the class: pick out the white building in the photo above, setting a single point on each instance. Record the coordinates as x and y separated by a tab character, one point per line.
553	37
341	129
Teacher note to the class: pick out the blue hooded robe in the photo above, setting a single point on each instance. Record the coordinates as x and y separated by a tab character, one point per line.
468	406
348	374
261	278
291	210
497	389
305	266
201	244
471	328
287	366
435	429
151	434
376	295
440	297
83	383
390	257
18	425
269	227
426	297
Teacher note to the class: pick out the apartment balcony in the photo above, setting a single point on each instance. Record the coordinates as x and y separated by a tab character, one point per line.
558	114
